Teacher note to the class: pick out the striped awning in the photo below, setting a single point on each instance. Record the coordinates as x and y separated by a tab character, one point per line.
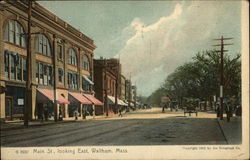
94	100
78	98
48	94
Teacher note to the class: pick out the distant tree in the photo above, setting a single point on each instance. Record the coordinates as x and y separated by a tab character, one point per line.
200	78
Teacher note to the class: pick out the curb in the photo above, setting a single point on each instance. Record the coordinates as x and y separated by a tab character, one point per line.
222	131
49	123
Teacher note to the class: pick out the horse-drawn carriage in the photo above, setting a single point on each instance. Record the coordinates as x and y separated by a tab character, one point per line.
190	107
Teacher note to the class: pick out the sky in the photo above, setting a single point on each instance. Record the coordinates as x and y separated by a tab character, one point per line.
152	38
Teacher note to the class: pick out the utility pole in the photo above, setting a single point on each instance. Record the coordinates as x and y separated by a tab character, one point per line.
55	78
106	85
116	85
222	39
28	99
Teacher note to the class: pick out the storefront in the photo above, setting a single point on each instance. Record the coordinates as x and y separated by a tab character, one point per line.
14	102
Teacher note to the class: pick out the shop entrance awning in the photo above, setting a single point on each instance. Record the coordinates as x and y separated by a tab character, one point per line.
78	98
119	102
48	94
88	80
93	99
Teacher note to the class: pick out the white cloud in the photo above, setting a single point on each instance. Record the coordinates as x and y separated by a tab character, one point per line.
154	51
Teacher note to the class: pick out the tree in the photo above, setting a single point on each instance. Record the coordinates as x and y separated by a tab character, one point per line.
200	78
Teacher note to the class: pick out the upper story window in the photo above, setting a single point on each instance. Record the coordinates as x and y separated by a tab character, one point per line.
72	57
14	33
14	66
60	75
44	74
73	80
43	45
59	52
85	62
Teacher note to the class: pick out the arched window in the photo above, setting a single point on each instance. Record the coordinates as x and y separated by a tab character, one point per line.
85	62
43	45
72	57
14	33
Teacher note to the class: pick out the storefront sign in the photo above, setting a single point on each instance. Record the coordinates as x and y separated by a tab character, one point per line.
20	101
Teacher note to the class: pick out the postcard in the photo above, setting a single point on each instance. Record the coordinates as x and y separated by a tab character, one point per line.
124	79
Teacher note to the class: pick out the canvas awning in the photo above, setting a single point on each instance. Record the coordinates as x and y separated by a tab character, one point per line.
93	99
48	94
88	80
119	102
78	98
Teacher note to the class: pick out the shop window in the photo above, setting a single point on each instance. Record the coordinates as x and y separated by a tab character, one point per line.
60	52
60	74
43	45
85	62
72	57
14	33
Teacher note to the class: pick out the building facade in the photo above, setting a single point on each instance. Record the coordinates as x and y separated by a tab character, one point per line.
55	46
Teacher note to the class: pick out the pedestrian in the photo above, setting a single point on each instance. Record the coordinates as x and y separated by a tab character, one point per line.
76	115
84	112
163	108
120	112
46	114
60	115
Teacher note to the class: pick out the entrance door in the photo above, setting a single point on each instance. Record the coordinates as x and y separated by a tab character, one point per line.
8	107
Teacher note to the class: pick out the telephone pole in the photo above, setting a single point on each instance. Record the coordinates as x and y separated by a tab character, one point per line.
117	85
106	85
222	44
28	99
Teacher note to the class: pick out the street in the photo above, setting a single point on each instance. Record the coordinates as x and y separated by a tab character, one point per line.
142	127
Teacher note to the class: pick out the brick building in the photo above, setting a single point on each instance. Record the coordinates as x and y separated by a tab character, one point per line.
111	68
55	45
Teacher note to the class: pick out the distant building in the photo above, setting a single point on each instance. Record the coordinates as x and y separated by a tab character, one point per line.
111	69
54	40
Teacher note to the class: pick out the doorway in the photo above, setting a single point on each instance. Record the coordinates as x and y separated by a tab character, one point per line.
9	108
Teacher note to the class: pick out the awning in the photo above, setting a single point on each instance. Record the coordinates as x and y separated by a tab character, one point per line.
78	98
93	99
88	80
49	95
119	102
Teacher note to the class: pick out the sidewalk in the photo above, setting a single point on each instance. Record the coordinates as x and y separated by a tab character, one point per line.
19	124
232	130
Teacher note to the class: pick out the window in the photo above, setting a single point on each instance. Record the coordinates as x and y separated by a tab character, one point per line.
6	64
73	80
44	74
24	70
14	33
43	45
19	69
60	74
85	62
37	73
72	57
60	52
85	84
14	66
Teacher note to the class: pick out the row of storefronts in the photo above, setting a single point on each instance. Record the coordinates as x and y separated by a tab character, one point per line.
63	71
